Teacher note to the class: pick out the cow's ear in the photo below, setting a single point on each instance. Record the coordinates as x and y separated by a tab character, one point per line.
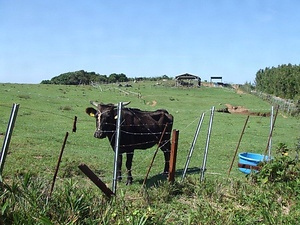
91	111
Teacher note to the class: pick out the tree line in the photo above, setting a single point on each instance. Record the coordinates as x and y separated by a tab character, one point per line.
82	77
282	81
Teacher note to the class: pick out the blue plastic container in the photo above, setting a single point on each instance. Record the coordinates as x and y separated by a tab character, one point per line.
250	159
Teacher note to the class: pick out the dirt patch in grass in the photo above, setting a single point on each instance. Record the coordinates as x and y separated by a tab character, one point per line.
153	103
242	110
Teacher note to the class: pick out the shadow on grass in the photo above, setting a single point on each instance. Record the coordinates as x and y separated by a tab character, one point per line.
157	179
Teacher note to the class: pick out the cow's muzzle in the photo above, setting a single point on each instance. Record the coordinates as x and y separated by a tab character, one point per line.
99	134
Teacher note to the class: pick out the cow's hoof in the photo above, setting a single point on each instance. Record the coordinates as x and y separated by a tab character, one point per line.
119	178
165	174
129	182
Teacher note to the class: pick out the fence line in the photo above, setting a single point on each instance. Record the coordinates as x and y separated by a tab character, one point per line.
108	148
287	105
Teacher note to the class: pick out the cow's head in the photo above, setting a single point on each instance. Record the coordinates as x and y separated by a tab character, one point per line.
105	118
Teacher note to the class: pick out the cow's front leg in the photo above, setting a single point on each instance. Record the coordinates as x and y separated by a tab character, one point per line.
119	168
167	161
129	157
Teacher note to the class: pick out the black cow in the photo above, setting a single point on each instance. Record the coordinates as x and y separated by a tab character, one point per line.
139	130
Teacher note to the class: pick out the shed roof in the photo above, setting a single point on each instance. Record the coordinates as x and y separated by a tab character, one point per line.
186	76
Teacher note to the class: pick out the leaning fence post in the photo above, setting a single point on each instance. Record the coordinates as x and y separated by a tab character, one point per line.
117	142
238	145
58	163
271	125
89	173
8	134
207	144
192	146
155	153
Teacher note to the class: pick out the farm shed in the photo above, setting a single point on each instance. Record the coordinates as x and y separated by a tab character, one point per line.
187	80
219	83
216	78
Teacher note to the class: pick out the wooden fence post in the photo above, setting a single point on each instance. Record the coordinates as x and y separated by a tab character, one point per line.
173	155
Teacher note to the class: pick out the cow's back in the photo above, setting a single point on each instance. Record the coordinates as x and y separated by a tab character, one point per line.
143	129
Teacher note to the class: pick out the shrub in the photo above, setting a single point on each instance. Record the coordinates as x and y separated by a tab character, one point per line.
282	168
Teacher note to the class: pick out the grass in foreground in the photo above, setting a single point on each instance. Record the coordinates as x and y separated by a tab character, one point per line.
226	201
270	196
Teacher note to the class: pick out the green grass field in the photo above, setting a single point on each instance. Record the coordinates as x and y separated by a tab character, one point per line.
46	113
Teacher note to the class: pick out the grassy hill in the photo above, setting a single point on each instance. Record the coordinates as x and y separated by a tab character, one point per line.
47	112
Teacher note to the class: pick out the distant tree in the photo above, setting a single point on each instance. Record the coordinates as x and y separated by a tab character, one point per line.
46	82
77	78
102	79
86	78
122	78
114	77
282	81
165	77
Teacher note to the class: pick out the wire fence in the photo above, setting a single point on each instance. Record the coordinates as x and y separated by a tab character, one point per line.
287	105
101	154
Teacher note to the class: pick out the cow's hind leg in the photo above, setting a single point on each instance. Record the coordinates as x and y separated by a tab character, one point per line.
119	168
166	148
129	156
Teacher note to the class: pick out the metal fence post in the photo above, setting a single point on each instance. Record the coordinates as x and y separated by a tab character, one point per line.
271	133
117	142
238	145
203	169
271	125
8	134
58	163
155	153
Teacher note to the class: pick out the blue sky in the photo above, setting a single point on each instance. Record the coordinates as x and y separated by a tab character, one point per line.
228	38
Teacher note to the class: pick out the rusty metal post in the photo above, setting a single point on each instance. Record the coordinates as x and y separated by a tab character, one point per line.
9	130
173	156
155	153
58	163
97	181
238	145
74	124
